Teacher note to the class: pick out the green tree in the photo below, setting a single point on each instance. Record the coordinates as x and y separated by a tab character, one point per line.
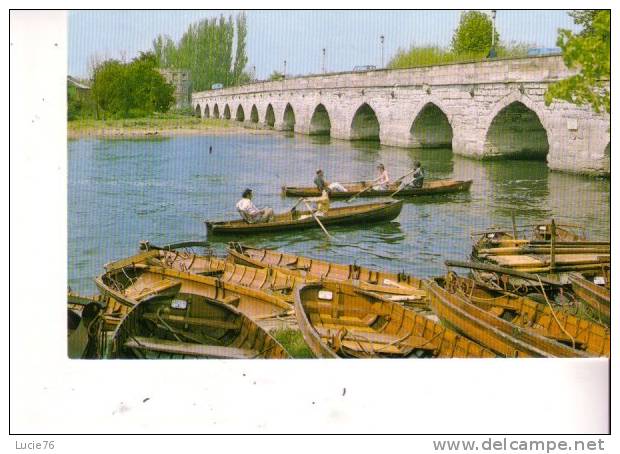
473	34
131	89
585	18
241	58
276	75
590	52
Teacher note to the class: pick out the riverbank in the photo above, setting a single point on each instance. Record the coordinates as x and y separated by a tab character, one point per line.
153	127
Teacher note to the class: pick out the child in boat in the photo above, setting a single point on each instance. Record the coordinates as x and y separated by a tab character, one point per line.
322	184
382	182
249	212
322	204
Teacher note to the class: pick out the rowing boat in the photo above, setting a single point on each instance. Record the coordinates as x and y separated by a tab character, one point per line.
505	338
292	220
429	188
347	322
131	280
596	297
84	327
549	319
189	325
399	287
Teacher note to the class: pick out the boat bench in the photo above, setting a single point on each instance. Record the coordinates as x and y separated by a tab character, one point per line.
186	348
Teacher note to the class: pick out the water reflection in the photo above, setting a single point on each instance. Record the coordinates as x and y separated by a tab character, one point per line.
121	192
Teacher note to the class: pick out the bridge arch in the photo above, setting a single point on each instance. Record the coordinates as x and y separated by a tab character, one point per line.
516	128
431	128
254	114
207	113
365	124
516	132
288	119
607	159
198	111
240	115
216	111
270	116
227	112
320	123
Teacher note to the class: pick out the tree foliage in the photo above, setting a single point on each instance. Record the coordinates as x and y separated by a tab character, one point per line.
206	50
276	75
590	52
473	34
131	89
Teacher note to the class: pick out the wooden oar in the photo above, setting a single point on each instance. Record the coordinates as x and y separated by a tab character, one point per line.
316	218
359	193
297	203
402	187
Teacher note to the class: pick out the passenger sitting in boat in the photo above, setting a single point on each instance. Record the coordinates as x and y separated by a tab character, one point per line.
250	213
322	184
417	177
382	182
322	204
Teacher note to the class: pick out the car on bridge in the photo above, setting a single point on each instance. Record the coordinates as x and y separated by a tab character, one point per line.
364	68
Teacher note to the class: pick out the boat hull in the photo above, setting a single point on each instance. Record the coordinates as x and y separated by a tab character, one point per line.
360	214
444	187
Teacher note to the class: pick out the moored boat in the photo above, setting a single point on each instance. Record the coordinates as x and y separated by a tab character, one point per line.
343	321
551	320
398	287
504	338
293	220
430	187
132	280
594	293
84	326
189	325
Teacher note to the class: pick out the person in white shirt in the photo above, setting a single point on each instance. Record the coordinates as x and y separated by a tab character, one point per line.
249	212
382	182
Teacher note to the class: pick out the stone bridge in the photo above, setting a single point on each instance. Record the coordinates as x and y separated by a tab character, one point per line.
481	109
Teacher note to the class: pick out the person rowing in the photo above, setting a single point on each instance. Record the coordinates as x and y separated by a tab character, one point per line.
322	204
417	177
250	213
382	182
323	184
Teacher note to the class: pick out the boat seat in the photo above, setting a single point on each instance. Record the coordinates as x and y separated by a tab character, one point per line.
186	348
164	286
195	321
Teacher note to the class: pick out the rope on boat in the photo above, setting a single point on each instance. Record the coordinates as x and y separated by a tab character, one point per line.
553	312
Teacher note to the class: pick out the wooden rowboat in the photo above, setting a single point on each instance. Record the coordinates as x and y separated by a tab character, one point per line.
596	297
398	287
355	214
430	187
551	321
132	280
491	331
84	327
342	321
188	325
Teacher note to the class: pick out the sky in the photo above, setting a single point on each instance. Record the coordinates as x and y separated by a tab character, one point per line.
351	38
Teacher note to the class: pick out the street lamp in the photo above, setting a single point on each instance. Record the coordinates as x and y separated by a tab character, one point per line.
492	53
323	62
284	74
382	38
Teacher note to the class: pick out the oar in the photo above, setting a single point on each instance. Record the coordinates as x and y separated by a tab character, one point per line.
359	193
317	219
402	187
297	203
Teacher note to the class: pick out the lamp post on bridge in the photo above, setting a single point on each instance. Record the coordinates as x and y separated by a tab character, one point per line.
284	73
382	39
323	62
492	53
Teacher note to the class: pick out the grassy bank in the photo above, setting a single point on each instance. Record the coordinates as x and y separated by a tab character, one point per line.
157	125
293	342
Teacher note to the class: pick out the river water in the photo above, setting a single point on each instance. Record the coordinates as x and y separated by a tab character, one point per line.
124	191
